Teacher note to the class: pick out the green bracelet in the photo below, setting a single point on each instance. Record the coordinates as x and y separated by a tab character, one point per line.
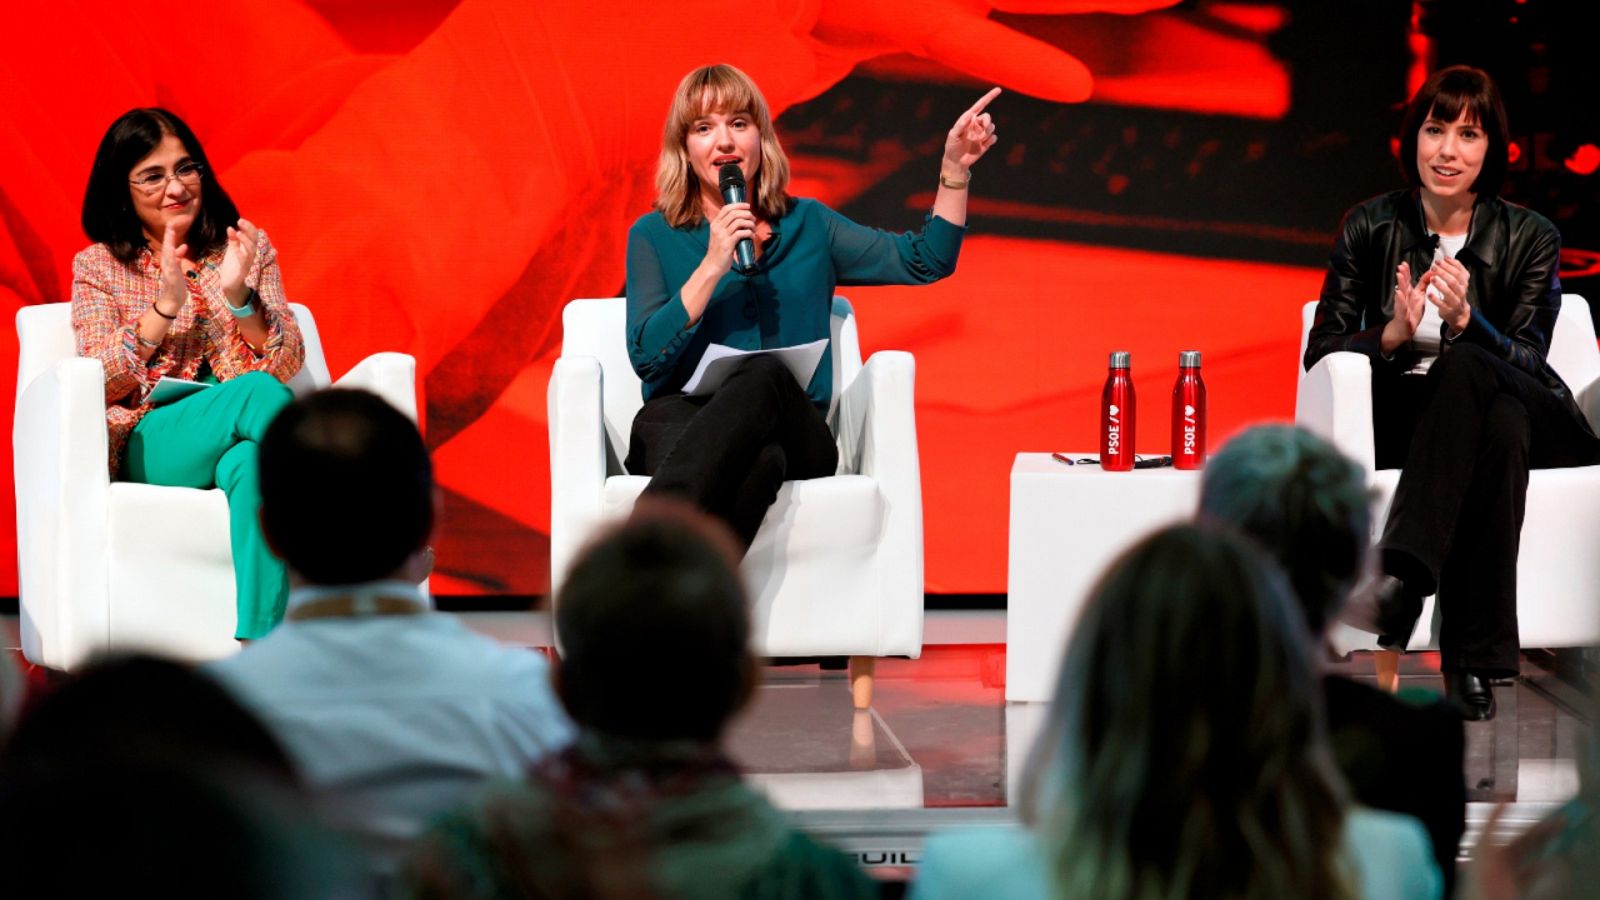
245	311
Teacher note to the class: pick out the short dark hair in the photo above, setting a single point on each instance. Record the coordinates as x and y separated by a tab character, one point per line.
346	487
108	215
654	628
1303	502
1445	95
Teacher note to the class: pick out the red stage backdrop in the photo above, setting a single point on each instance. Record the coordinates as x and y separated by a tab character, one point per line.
441	176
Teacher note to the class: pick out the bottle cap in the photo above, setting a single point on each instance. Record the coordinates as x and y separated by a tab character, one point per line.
1189	359
1121	359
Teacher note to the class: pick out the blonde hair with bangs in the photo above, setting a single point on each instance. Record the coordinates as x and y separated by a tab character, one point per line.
719	88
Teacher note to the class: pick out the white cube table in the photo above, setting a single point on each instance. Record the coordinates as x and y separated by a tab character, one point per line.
1067	524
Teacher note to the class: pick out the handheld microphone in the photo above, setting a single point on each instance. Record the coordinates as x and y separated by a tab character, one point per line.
731	181
1438	254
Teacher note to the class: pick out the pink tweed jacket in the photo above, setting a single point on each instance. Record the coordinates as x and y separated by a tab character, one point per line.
108	298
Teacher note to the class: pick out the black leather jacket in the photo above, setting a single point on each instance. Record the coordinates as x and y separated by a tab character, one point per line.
1515	290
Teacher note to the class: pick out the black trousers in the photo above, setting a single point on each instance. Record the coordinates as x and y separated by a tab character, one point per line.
729	452
1465	436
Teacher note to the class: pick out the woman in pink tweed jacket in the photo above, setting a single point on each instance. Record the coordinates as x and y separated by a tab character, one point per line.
177	285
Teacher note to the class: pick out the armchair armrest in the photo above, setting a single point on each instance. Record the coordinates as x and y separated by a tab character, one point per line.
1334	401
1588	400
876	418
392	376
577	457
876	426
63	489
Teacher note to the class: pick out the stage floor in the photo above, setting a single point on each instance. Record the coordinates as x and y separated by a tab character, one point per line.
940	734
941	746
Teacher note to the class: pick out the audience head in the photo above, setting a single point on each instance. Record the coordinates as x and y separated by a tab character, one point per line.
1445	96
726	90
115	210
346	488
141	768
655	628
1304	502
1184	755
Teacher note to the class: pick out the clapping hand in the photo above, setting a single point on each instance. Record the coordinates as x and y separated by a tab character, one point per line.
1409	303
238	260
1448	279
174	293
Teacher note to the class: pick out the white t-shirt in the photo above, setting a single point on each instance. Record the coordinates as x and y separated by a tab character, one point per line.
394	719
1426	339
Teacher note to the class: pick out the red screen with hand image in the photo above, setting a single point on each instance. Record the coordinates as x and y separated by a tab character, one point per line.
441	178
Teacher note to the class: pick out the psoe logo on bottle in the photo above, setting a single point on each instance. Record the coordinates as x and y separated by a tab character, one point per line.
1190	438
1113	430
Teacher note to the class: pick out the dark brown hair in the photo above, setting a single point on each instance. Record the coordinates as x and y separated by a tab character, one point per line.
1444	96
108	215
655	628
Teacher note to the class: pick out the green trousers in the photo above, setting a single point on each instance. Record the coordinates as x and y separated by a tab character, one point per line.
210	440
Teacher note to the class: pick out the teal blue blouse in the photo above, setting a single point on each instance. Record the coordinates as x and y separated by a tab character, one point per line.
786	302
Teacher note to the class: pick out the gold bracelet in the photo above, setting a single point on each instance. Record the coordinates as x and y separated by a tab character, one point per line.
954	185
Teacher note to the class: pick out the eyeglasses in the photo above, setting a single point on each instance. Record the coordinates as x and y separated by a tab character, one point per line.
187	174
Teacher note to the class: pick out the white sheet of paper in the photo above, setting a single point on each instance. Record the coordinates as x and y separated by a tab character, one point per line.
719	361
170	389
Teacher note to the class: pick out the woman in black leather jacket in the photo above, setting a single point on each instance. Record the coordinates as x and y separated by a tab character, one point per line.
1452	293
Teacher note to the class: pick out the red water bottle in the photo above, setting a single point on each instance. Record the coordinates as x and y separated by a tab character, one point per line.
1117	415
1188	413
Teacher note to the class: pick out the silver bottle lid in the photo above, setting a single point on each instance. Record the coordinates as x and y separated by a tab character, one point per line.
1189	359
1121	359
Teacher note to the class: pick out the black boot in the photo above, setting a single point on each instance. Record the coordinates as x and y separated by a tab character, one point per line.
1472	692
1398	609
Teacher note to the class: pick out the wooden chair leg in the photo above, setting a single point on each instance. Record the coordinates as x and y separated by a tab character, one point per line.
863	740
1387	664
861	672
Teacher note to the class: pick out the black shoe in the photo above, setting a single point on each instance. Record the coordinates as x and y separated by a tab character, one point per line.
1472	692
1398	610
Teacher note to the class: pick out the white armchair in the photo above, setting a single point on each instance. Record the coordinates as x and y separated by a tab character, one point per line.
836	569
106	564
1558	568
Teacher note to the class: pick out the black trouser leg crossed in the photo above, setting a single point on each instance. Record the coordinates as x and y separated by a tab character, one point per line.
728	453
1467	434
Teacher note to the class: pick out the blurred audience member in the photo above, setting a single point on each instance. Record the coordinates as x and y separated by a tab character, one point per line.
139	771
1308	506
393	712
656	660
1184	755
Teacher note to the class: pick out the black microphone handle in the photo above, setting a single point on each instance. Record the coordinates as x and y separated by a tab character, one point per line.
744	252
744	257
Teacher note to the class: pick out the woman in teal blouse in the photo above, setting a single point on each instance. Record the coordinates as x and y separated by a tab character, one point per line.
729	452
